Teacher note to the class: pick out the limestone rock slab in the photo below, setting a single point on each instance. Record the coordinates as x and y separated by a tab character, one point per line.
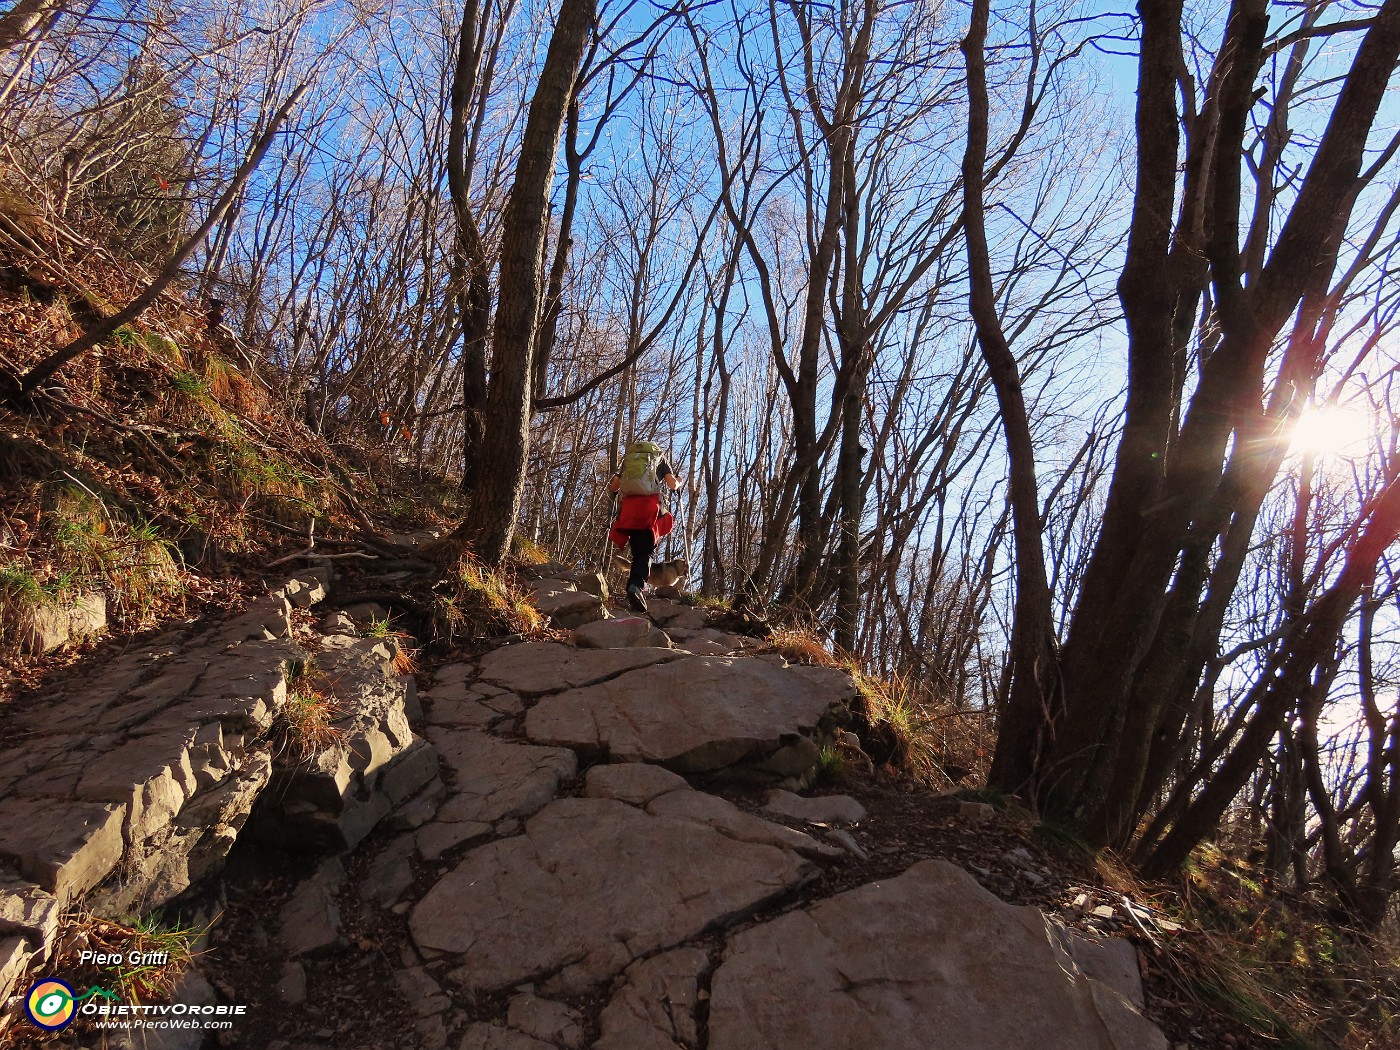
594	583
823	809
422	993
333	799
533	668
56	774
1113	961
269	617
15	953
544	1019
634	782
699	643
885	964
655	1008
53	625
670	614
624	633
65	847
463	714
412	769
306	590
390	874
17	763
565	605
493	778
151	775
482	1036
311	918
437	837
190	848
633	883
291	983
693	714
27	911
732	822
506	703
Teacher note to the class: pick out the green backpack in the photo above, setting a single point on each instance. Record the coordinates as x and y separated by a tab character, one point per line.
638	471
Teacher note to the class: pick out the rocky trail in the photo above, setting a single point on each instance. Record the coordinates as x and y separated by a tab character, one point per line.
614	841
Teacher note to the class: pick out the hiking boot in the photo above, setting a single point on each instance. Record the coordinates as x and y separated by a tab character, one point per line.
635	599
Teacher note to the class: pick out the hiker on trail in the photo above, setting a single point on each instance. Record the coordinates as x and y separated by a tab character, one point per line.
639	521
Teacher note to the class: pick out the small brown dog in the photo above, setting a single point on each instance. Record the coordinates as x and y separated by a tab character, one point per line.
671	573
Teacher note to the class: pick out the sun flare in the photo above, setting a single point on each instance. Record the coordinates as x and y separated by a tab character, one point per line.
1332	430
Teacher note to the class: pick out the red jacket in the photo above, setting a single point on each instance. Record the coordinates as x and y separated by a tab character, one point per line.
636	513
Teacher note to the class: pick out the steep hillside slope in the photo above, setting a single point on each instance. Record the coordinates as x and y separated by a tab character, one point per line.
138	483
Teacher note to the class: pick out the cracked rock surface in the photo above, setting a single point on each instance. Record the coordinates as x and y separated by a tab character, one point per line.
532	853
696	714
633	883
885	964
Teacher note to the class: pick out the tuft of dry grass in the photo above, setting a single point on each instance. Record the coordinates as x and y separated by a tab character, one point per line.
405	660
145	980
78	543
715	603
526	551
307	718
801	646
229	387
930	740
131	563
482	603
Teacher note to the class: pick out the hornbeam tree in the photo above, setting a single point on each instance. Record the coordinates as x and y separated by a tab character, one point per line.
490	519
1226	333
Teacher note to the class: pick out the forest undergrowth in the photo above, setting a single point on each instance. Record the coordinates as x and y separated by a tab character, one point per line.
159	471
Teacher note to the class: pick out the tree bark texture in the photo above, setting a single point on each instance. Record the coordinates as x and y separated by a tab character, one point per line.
490	520
26	16
470	272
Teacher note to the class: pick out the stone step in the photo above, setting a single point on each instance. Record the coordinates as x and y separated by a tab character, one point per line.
332	800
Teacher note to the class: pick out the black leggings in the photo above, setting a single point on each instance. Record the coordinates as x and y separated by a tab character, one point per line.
643	546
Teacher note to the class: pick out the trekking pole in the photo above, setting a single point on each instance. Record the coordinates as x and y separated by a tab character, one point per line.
671	509
607	540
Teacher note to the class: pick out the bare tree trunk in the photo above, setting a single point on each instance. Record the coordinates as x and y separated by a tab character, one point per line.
1032	636
554	295
490	520
469	267
1315	645
1175	491
849	477
26	16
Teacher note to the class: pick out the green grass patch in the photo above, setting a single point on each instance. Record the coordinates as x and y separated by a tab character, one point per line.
191	385
1060	838
127	337
96	547
831	766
